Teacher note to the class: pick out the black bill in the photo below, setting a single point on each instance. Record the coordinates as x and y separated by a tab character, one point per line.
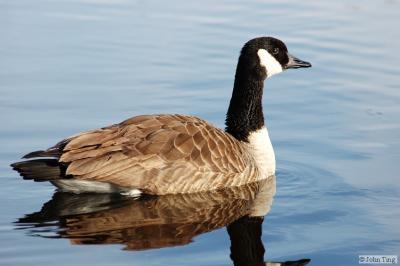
294	62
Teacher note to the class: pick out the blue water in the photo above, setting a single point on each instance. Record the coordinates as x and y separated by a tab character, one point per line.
70	66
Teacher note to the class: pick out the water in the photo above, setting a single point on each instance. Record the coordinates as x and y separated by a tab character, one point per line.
69	66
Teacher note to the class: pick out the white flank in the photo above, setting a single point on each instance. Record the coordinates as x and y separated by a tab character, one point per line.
132	192
85	186
263	152
269	62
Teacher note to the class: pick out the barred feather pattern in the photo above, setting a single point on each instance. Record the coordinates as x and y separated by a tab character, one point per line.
159	154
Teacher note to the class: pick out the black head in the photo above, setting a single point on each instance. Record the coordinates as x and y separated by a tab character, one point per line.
267	56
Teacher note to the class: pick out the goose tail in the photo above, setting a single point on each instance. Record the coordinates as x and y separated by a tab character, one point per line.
46	153
40	169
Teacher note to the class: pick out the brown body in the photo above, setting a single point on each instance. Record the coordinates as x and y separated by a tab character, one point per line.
158	154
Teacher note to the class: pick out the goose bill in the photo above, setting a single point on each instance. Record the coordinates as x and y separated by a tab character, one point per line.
294	62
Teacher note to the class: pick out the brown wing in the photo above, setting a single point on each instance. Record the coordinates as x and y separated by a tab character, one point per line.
155	153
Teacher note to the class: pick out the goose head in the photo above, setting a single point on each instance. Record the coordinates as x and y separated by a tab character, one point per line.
260	58
264	57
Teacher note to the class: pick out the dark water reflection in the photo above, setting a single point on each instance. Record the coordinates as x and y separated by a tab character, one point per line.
153	222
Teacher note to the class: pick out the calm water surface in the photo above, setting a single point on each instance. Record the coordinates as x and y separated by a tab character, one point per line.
69	66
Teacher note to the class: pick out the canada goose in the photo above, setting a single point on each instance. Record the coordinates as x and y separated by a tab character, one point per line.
169	154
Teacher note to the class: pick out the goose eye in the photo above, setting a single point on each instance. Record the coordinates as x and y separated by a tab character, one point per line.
275	51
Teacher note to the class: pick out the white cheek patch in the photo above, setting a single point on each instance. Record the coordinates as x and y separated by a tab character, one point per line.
269	62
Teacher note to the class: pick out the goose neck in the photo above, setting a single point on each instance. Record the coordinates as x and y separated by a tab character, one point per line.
245	114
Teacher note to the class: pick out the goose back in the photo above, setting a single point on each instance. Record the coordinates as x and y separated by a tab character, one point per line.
159	154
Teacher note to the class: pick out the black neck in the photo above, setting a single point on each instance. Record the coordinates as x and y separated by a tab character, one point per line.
245	113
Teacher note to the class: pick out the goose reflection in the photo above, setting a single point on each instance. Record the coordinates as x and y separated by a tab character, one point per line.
160	221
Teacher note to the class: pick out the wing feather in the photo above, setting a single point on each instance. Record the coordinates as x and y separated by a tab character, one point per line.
155	151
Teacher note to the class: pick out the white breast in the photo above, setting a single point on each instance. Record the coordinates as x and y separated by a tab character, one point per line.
263	153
